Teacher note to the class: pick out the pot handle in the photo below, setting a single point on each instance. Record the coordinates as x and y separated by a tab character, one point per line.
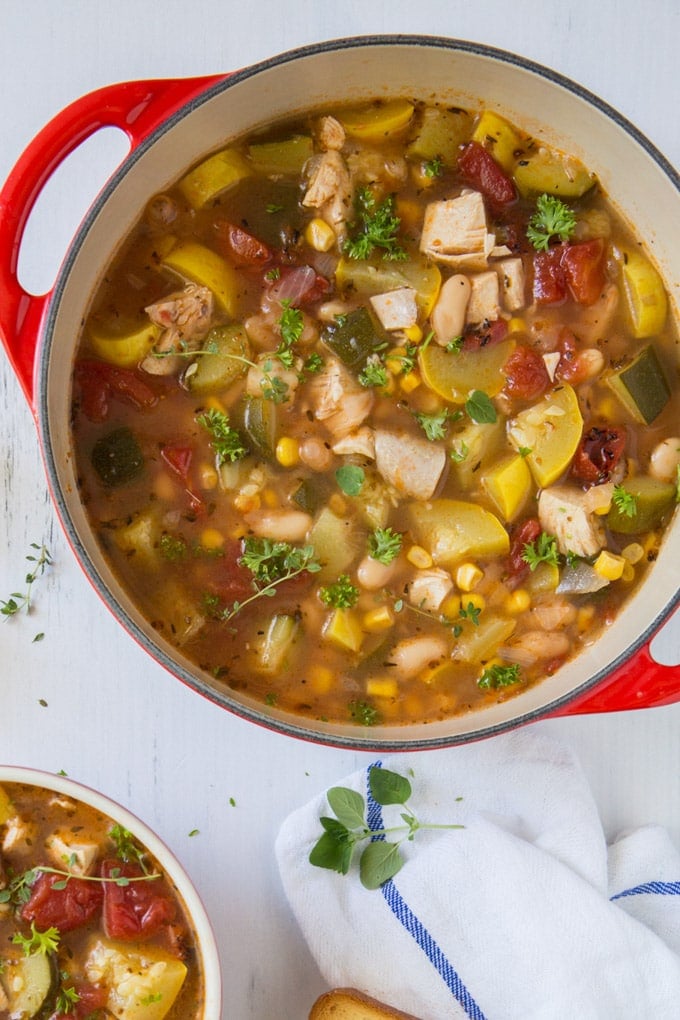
137	108
640	682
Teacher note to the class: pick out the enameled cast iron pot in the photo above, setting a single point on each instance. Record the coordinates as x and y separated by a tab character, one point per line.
170	124
171	867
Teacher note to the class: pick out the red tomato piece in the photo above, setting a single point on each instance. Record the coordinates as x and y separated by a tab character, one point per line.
178	459
526	533
598	454
550	285
98	381
527	376
246	250
485	335
135	911
481	170
583	266
567	367
66	909
90	999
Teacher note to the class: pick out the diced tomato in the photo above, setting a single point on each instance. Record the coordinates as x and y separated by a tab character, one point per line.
527	376
485	335
526	533
137	910
65	908
567	366
583	266
598	454
550	285
178	459
246	251
481	170
575	270
90	999
98	382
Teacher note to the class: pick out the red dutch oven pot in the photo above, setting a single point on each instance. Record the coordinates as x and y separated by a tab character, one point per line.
172	123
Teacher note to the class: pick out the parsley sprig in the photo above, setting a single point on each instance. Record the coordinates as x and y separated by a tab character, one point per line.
291	325
624	501
270	563
342	594
496	676
435	426
376	226
226	441
384	545
553	218
380	858
543	550
38	943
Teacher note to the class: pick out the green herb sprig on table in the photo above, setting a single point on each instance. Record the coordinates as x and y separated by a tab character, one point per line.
381	858
21	601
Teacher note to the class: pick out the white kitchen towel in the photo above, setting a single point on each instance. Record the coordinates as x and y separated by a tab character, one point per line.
523	914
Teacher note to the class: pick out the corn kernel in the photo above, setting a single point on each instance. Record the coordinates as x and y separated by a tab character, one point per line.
516	325
288	451
381	687
207	476
450	607
413	333
211	538
377	620
468	576
628	574
633	552
473	599
394	360
410	382
320	678
270	498
419	557
584	618
215	404
247	502
609	565
319	235
518	601
602	511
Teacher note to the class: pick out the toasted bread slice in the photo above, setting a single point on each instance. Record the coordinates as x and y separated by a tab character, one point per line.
350	1004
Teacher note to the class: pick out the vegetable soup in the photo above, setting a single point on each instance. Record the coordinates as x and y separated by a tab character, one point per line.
376	412
89	925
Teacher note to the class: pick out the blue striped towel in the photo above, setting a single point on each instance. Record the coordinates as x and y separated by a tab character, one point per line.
524	914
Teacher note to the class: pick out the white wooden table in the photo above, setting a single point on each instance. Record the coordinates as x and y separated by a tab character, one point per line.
86	699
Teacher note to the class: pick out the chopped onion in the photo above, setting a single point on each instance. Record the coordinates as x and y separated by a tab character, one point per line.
580	579
294	285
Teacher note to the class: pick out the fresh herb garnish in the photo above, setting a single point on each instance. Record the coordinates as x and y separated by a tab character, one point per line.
553	218
67	998
435	425
363	713
291	325
433	167
459	453
127	849
470	612
226	441
480	408
384	545
376	227
374	372
499	676
380	858
313	364
342	594
21	601
543	550
455	346
271	563
38	943
350	478
624	501
172	548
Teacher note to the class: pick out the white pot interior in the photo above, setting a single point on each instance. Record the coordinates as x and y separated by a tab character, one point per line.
634	176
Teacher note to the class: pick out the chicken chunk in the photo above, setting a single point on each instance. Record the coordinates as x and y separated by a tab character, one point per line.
483	303
455	232
511	278
185	318
563	512
80	855
429	588
331	134
397	309
360	443
338	400
269	376
330	191
412	466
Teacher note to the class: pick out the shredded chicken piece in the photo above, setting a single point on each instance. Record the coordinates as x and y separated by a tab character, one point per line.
429	588
455	232
360	443
511	279
330	191
338	400
269	374
413	466
185	318
366	166
331	134
397	309
483	303
563	512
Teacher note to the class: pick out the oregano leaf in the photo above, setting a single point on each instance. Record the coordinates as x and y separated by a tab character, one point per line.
379	862
388	787
348	806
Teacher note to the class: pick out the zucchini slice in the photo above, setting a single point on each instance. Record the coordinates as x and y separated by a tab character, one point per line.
30	983
641	386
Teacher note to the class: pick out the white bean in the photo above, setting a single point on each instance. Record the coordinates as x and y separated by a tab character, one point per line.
448	315
537	645
665	458
372	574
279	525
414	654
315	454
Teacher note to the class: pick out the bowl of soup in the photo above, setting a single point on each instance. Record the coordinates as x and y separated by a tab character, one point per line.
359	389
96	913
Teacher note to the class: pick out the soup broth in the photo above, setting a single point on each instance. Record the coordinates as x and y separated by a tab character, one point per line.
376	413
